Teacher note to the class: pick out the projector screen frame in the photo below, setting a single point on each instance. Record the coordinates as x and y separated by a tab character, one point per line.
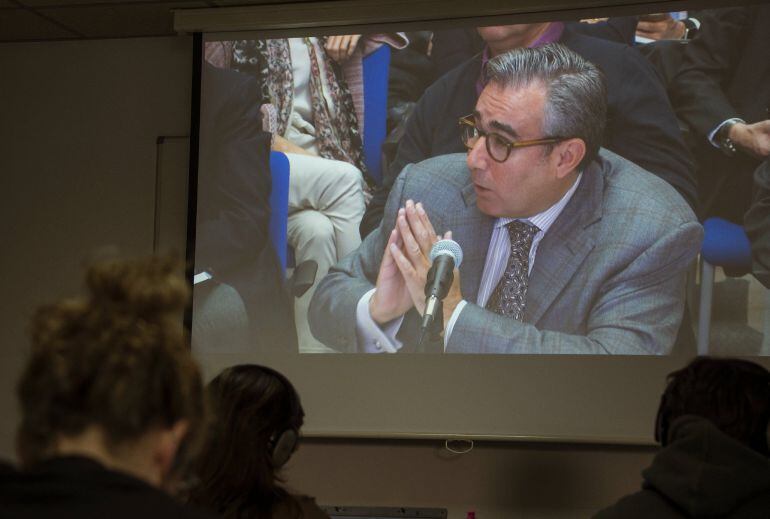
525	398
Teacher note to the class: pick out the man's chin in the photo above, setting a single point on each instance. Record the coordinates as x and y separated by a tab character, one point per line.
486	206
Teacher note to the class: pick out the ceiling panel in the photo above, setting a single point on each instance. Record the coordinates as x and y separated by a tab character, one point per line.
124	20
81	3
24	25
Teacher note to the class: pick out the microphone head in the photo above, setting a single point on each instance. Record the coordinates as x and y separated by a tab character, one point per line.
448	247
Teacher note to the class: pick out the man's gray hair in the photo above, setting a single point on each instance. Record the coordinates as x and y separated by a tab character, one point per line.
576	98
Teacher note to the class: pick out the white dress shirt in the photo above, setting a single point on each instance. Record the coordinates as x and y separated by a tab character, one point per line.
375	339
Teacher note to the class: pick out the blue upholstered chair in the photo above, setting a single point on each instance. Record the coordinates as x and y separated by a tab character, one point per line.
375	76
304	274
725	245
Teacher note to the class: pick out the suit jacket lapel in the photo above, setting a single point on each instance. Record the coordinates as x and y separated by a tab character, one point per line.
472	230
565	245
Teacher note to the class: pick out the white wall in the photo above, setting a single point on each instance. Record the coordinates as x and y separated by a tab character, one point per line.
78	126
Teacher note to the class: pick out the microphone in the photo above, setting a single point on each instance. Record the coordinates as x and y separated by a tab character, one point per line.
445	256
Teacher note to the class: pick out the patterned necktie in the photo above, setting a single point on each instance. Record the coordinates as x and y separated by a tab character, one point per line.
510	294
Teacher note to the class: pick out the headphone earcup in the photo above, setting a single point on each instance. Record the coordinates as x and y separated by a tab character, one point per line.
283	447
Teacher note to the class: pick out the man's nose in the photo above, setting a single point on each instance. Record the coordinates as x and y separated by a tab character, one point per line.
477	154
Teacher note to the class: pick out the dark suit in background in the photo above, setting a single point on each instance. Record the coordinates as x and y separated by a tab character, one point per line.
757	224
725	73
453	47
641	125
232	239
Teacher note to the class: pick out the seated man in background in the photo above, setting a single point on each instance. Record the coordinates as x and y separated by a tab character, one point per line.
722	95
567	249
452	47
666	26
111	401
240	302
757	224
714	425
641	125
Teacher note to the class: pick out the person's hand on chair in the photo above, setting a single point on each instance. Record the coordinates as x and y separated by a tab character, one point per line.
341	47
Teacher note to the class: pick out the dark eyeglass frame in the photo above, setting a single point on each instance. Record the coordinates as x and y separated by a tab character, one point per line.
469	121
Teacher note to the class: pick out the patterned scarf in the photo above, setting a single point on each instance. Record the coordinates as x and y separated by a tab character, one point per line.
337	134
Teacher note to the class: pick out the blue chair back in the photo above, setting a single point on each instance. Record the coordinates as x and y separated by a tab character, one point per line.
725	244
375	77
279	205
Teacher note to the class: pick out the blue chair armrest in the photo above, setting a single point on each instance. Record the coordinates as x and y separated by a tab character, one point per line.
279	205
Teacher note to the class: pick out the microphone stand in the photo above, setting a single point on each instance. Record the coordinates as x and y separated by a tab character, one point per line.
433	332
432	327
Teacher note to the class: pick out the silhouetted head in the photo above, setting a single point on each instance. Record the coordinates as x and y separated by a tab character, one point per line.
111	369
733	394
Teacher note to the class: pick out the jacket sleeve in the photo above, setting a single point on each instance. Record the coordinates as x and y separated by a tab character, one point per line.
643	127
697	91
332	313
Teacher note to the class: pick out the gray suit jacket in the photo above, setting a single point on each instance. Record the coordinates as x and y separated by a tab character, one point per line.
609	275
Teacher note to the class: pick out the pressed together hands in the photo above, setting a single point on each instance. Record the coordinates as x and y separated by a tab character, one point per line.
404	268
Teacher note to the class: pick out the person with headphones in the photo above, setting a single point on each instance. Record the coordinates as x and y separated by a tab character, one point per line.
257	418
713	425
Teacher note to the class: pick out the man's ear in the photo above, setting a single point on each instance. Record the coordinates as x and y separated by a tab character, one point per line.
168	446
569	153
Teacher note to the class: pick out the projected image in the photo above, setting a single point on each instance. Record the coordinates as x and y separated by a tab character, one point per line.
530	188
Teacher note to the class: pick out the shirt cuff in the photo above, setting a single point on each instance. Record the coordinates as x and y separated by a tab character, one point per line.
452	320
373	338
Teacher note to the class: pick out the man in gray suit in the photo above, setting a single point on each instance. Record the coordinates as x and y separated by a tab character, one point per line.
568	249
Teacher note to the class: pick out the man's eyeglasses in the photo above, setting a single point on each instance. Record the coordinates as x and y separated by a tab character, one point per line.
498	147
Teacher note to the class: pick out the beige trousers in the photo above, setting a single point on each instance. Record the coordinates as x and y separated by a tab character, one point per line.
326	204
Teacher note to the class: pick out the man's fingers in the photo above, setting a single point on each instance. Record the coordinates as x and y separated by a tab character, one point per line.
411	246
653	17
333	47
425	238
414	283
392	239
425	220
388	267
403	263
353	42
341	46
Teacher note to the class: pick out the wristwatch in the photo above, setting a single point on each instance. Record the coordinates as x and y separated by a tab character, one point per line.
691	28
723	139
